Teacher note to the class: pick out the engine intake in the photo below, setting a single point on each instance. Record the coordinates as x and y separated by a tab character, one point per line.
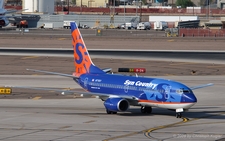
2	22
116	104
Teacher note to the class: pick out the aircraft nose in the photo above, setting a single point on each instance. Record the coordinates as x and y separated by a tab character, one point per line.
190	98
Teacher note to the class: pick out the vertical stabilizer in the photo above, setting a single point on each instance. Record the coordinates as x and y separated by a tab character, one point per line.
82	60
1	4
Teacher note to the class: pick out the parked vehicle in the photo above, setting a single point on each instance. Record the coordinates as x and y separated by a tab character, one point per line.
160	25
20	24
144	26
66	24
131	25
84	26
121	26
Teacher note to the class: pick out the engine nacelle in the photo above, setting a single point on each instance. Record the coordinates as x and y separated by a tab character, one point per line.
116	104
4	22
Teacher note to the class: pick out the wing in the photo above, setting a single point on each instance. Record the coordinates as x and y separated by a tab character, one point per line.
14	11
70	92
201	86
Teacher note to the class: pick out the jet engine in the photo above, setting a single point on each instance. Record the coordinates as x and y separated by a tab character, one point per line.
116	104
4	22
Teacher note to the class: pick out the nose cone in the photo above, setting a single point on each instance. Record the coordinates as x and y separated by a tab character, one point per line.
190	97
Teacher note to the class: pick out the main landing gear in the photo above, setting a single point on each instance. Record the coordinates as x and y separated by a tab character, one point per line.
145	109
178	115
110	112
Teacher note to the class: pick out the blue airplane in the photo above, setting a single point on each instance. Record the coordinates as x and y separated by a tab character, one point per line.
119	91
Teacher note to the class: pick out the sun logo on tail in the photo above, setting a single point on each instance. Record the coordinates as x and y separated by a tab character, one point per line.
82	60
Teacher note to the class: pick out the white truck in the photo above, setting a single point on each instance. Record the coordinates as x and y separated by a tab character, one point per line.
160	25
144	26
66	24
131	25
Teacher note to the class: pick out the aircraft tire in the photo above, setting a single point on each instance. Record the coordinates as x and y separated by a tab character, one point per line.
148	110
143	109
178	115
108	112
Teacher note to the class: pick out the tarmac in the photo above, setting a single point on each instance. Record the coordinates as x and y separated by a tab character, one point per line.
37	115
48	118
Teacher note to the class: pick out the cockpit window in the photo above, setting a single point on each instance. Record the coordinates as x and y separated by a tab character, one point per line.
179	91
186	91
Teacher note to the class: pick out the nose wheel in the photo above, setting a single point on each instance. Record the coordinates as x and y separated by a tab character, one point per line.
178	115
145	109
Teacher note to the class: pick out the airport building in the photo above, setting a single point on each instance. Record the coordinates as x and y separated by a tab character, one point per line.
39	6
105	3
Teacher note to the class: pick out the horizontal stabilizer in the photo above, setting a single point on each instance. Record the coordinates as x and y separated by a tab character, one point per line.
54	73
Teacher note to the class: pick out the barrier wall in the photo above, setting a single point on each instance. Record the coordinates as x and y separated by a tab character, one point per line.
191	32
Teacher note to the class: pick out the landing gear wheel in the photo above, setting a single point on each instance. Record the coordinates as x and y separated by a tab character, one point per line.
143	109
146	109
110	112
178	115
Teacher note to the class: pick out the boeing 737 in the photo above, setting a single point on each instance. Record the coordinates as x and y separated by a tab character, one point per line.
119	91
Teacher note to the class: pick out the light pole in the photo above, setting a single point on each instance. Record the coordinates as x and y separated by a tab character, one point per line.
136	8
124	13
68	7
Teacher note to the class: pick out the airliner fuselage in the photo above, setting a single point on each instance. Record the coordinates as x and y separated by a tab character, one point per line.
149	91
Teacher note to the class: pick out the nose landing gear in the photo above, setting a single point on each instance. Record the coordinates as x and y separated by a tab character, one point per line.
178	115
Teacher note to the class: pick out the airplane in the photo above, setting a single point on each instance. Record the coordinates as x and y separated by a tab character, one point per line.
119	91
4	20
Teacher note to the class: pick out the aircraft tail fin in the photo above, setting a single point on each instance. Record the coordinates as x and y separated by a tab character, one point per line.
1	4
82	61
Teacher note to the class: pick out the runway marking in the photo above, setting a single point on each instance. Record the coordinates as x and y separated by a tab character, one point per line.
61	38
167	74
182	63
29	57
63	127
146	132
36	98
215	67
134	61
90	121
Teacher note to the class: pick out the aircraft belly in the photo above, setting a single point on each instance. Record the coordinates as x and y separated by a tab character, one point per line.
168	106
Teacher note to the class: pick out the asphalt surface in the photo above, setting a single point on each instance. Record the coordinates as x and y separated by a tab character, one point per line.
37	115
37	118
120	39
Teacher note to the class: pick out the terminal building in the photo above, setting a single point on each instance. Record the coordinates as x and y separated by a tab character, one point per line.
105	3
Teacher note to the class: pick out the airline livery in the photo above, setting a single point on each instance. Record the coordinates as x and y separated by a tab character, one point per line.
119	91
